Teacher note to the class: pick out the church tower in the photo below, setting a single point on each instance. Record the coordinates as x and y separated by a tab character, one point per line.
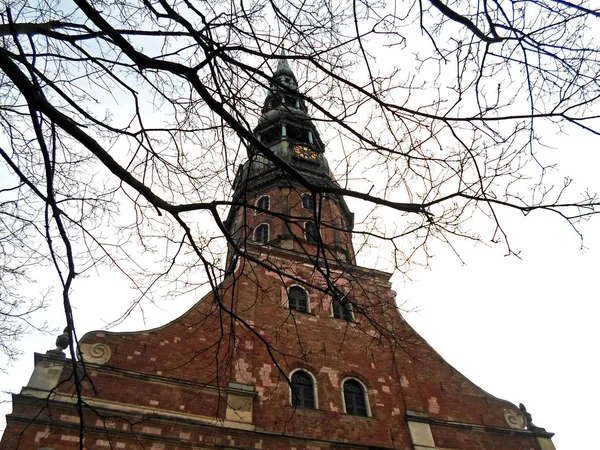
303	220
298	347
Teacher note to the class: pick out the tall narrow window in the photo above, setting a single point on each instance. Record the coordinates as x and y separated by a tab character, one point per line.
311	232
303	390
298	299
336	231
354	398
342	308
308	202
263	203
261	233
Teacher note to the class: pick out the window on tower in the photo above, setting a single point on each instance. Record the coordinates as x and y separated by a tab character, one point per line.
355	399
271	135
311	232
308	202
261	233
298	133
298	299
342	308
303	390
263	204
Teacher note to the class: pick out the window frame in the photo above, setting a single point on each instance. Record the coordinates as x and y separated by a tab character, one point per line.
268	233
350	310
365	397
234	265
314	389
311	206
256	203
315	239
307	297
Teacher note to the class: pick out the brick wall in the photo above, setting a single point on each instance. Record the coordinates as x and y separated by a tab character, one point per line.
171	387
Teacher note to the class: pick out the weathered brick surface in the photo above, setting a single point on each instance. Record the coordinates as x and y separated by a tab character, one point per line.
286	202
451	437
166	388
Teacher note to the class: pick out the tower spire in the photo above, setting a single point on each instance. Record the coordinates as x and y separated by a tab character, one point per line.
283	67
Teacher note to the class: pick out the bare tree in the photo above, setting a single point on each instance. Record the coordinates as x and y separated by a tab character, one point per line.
19	254
125	123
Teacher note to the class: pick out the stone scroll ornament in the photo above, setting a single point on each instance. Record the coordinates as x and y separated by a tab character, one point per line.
95	353
514	419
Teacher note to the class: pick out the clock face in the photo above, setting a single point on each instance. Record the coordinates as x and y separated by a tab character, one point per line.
305	152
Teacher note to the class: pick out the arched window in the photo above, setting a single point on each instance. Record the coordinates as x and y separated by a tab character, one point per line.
308	202
303	390
263	203
355	400
261	233
342	308
311	232
298	299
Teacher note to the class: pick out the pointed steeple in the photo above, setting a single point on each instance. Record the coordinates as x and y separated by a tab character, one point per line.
283	87
284	70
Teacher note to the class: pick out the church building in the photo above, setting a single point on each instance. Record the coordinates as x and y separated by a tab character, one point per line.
297	348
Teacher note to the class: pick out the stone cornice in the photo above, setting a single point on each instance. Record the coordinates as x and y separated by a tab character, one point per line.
257	250
160	379
421	417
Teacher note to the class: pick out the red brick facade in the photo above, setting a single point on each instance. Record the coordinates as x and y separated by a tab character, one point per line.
218	377
178	386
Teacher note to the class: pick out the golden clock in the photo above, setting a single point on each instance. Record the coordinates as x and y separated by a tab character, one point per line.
305	152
